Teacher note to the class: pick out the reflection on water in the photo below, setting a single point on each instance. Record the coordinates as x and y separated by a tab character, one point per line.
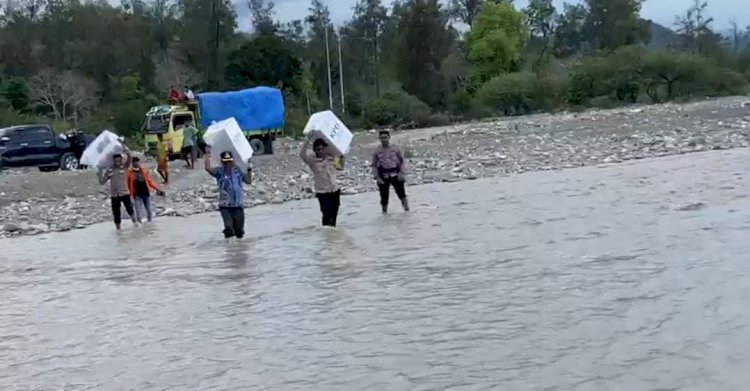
590	279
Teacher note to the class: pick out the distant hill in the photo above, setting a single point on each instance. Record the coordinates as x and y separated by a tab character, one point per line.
661	37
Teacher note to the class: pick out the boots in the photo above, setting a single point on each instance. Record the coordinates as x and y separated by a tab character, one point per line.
385	209
405	204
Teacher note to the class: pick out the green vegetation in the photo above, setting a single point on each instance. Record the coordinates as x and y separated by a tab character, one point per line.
92	65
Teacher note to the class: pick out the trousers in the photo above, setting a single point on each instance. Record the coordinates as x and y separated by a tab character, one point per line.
234	222
385	189
143	208
117	203
329	207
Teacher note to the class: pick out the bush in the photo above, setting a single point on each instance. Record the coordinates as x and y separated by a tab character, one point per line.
511	93
588	79
550	90
725	82
396	110
128	118
295	121
10	117
96	123
605	102
438	119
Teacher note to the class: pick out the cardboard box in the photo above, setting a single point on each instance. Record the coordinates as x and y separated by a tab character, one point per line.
333	131
227	136
99	153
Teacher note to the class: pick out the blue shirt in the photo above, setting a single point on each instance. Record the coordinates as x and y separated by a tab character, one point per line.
230	186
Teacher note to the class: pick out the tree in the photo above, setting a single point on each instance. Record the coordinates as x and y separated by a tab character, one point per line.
426	39
540	15
694	28
16	93
570	34
206	28
615	23
363	41
510	93
541	18
65	95
320	34
262	12
465	11
495	40
265	60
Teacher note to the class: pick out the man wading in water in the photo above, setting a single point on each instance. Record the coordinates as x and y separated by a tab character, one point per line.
140	185
388	170
230	178
118	186
323	166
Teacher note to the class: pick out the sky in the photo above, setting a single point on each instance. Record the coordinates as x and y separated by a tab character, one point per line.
661	11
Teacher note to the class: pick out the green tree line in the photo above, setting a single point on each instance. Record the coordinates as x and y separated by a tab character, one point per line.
93	65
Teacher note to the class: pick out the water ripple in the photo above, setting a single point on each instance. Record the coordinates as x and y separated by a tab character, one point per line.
609	278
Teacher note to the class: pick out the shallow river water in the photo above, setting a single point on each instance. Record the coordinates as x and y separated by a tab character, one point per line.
627	277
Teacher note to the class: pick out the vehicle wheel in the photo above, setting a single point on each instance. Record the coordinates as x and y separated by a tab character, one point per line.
68	162
258	146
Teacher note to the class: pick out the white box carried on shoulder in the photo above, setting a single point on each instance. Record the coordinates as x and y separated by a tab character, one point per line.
99	153
227	136
335	133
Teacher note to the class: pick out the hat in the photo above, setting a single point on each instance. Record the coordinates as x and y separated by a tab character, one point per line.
226	157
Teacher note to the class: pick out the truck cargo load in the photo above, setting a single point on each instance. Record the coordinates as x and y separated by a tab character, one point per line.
255	109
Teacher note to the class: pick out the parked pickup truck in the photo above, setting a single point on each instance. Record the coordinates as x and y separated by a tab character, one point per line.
38	146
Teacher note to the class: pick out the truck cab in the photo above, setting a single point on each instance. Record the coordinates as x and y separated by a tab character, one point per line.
35	146
166	120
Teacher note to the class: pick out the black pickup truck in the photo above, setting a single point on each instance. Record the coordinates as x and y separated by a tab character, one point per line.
37	146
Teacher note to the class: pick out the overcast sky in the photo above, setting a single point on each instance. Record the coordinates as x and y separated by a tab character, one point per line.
661	11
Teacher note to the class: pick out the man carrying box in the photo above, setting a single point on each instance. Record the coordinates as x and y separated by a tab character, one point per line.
388	170
229	177
323	165
117	176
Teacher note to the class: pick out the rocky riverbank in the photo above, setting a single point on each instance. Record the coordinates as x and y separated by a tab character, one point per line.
33	202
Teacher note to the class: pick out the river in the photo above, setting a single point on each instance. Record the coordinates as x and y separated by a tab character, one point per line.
625	277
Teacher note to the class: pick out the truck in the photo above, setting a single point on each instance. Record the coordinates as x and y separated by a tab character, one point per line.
259	111
38	146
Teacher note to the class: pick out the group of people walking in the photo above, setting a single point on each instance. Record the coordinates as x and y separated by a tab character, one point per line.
130	183
130	186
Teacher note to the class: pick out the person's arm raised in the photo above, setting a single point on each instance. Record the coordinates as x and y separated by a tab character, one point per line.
207	161
128	154
103	175
304	152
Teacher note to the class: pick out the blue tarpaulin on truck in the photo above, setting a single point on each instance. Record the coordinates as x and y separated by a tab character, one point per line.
259	108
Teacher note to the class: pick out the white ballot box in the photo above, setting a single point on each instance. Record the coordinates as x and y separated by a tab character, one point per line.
227	136
99	153
333	131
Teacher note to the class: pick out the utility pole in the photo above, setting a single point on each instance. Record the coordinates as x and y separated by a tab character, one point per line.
341	76
328	71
